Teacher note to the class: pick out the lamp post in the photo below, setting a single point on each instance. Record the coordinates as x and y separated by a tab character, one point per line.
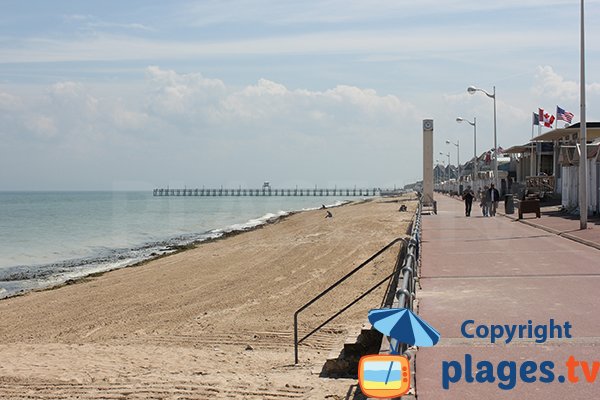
457	144
583	200
474	125
472	90
448	166
458	189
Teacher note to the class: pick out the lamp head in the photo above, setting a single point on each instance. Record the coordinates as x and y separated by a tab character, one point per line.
459	119
447	142
471	89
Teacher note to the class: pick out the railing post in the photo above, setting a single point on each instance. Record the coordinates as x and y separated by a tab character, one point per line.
296	337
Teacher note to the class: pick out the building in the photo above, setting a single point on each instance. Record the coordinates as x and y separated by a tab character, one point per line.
554	157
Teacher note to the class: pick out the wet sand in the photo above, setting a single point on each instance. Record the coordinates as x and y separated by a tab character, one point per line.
215	321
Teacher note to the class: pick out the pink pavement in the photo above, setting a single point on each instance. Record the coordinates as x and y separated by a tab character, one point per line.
500	271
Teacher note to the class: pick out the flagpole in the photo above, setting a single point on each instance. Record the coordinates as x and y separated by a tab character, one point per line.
537	156
583	206
531	163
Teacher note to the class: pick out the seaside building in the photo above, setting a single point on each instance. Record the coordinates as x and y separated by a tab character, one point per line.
548	166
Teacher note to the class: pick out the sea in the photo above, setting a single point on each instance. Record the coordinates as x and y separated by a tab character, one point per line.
49	238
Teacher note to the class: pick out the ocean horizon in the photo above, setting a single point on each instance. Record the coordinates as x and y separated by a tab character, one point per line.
50	237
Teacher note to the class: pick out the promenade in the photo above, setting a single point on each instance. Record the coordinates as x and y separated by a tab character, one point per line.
499	271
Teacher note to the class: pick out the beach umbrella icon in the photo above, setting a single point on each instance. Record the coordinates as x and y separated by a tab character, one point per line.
404	326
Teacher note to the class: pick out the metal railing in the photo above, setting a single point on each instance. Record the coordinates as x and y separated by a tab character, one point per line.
333	286
410	272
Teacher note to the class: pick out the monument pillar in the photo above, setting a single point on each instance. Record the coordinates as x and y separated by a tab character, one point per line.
428	162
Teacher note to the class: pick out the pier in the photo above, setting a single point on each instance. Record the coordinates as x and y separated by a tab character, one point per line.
355	192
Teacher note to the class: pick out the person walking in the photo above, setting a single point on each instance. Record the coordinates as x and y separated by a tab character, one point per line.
483	203
468	197
493	197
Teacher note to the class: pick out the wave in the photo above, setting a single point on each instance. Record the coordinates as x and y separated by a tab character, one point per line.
336	204
252	223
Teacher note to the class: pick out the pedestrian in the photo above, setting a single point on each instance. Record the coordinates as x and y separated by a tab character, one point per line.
468	197
493	198
483	203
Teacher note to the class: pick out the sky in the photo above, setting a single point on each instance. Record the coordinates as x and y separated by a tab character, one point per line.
138	94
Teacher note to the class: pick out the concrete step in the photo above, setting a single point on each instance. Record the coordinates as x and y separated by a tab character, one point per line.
344	362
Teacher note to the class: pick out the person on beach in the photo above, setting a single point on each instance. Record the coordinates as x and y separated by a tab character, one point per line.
493	197
329	214
468	197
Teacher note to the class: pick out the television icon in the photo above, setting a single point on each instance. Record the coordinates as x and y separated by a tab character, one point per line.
384	376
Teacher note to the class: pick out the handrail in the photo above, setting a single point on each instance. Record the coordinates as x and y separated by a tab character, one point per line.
323	293
410	274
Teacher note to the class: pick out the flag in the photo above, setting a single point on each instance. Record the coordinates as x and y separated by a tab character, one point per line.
564	115
536	119
547	119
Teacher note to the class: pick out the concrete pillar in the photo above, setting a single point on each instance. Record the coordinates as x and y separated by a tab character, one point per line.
428	162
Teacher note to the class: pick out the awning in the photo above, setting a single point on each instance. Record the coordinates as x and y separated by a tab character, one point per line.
569	155
592	132
517	149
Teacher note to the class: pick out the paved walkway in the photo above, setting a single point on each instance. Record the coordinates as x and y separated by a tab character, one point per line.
563	224
502	271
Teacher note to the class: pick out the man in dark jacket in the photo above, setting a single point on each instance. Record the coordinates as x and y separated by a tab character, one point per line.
468	197
493	197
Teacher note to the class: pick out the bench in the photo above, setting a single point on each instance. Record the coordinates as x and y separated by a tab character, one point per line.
529	206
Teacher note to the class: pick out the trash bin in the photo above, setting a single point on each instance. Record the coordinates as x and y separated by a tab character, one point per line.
509	204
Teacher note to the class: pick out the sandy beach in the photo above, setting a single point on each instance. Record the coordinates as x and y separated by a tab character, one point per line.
214	321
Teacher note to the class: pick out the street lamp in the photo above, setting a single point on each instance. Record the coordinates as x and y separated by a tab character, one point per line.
472	90
457	144
448	166
474	125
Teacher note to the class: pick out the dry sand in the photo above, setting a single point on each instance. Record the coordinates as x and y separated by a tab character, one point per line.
211	322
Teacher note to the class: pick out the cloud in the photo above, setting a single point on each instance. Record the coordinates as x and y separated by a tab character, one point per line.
341	11
42	126
191	101
172	104
77	17
113	25
418	42
9	102
91	22
548	83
